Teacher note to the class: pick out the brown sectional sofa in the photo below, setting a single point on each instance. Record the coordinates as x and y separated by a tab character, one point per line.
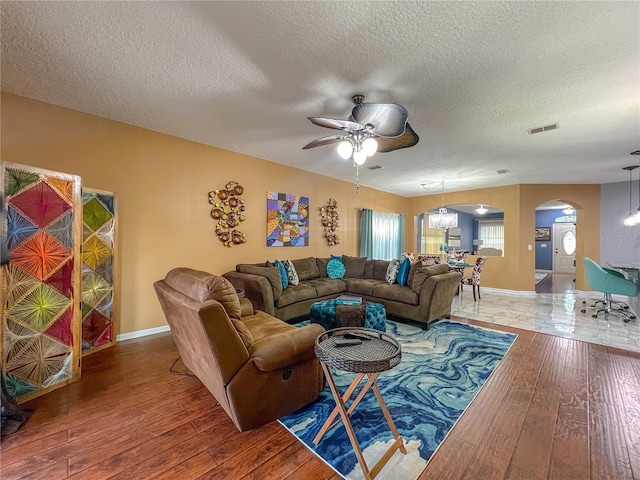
426	297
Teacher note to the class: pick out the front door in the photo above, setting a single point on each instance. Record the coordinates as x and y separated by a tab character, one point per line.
564	246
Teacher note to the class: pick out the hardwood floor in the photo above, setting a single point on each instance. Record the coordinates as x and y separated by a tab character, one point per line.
556	283
555	408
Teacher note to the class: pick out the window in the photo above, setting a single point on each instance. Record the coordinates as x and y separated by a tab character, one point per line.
491	232
381	234
429	239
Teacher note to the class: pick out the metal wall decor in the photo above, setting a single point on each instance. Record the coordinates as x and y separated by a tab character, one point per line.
227	210
330	222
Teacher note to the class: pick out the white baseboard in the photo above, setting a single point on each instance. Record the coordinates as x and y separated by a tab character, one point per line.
142	333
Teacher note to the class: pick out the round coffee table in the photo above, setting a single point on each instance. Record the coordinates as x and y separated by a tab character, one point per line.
325	313
371	353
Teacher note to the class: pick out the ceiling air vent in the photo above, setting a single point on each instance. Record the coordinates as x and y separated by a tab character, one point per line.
503	171
545	128
375	167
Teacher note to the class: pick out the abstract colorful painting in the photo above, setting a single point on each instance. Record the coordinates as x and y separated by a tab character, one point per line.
40	284
287	220
98	251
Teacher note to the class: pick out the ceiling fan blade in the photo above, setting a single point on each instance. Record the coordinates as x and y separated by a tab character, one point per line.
408	139
337	124
323	141
388	119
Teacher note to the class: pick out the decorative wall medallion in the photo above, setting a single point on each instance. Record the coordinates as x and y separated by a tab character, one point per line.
330	222
228	210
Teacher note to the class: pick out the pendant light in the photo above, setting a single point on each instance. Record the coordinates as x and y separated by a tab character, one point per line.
633	218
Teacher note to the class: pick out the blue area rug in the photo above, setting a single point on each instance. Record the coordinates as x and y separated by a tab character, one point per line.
441	371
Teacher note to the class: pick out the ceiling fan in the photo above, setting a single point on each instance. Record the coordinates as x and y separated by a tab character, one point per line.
371	128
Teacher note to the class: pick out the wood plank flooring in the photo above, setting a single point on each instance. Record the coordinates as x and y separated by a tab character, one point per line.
555	408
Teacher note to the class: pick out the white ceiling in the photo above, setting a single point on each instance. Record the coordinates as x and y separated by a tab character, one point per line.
244	76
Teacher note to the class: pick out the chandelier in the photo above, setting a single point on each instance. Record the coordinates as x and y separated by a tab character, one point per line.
443	219
481	210
360	144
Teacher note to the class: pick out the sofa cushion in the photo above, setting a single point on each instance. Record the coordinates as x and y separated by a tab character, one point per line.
361	286
368	268
354	266
306	268
395	292
270	273
322	266
412	272
392	271
423	273
380	269
297	293
292	275
328	286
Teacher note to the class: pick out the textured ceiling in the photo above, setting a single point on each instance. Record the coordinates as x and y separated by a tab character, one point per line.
244	76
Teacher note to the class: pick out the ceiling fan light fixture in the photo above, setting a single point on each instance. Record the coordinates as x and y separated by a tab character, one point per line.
481	210
568	210
345	149
370	146
359	156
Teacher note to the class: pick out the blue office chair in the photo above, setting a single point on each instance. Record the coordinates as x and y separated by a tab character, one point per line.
609	282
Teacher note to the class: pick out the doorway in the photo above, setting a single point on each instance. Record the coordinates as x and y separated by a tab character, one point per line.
555	255
564	248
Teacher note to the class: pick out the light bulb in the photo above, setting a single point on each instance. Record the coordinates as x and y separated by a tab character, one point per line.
345	149
370	146
359	157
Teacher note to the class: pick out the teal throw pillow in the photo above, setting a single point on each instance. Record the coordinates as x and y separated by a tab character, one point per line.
336	257
283	273
335	269
403	271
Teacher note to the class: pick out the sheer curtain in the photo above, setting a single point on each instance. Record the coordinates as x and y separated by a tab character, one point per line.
381	234
491	232
430	239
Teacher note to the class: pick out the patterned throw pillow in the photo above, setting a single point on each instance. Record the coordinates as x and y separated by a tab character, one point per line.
335	269
403	271
392	271
283	273
292	275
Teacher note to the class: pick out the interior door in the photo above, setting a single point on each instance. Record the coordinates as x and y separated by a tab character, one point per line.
564	246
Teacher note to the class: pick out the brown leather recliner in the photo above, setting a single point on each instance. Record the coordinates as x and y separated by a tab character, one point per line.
258	367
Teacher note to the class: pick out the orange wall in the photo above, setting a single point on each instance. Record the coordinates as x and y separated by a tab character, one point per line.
515	270
162	184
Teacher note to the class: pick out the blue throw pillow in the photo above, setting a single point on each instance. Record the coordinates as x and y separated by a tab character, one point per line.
403	272
283	273
336	257
335	269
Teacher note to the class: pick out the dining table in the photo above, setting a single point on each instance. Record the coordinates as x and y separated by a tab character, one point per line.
631	270
458	267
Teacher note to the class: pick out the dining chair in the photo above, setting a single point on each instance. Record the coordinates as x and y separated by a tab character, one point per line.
474	279
429	259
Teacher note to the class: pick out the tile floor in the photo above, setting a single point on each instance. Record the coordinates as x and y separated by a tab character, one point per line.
553	313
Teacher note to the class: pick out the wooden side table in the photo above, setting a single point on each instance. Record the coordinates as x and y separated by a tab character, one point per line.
375	353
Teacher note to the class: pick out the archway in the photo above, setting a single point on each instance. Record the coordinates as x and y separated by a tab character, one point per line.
556	245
